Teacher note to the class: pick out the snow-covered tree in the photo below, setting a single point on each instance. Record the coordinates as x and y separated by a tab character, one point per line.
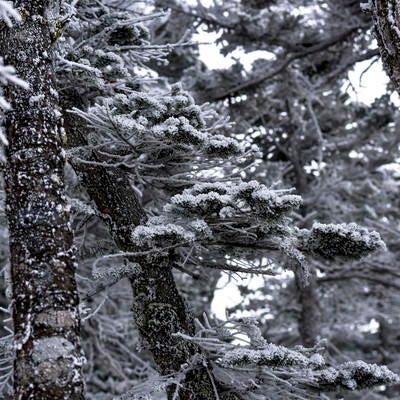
150	139
297	111
161	197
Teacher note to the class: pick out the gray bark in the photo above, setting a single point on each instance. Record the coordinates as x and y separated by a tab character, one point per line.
310	313
309	321
48	363
386	16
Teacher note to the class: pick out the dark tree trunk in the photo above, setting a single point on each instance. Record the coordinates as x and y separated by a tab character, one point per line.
307	292
310	314
159	309
48	362
386	16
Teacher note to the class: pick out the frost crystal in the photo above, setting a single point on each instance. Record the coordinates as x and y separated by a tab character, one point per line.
200	227
180	130
222	146
7	13
231	200
165	235
267	203
201	204
272	356
356	375
347	241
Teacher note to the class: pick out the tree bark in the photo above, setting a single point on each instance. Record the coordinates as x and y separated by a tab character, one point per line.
386	16
309	321
48	363
159	309
310	314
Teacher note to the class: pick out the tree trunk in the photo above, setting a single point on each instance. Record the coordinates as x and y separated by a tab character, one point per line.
310	314
386	16
48	363
159	309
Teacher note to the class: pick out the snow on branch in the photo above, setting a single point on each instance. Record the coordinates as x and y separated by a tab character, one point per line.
299	368
158	232
161	234
180	130
222	146
232	201
354	375
271	355
345	241
201	203
159	132
268	203
7	72
7	76
7	13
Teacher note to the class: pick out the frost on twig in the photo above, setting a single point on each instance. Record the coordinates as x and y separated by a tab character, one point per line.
7	13
7	72
164	235
110	276
345	241
355	375
271	355
7	76
155	137
7	354
233	200
218	213
297	370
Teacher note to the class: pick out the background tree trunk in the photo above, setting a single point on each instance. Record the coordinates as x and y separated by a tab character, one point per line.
310	314
309	321
386	15
48	362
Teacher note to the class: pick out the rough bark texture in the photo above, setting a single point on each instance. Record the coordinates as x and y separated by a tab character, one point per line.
310	313
386	15
48	362
159	309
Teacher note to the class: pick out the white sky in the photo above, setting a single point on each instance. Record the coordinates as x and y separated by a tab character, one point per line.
367	81
228	295
371	84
